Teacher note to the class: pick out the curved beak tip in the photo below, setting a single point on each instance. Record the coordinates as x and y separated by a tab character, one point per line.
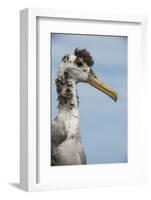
115	97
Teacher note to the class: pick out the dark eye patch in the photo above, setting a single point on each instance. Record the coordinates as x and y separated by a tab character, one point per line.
79	63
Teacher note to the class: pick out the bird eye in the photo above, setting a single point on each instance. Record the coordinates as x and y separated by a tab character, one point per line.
79	63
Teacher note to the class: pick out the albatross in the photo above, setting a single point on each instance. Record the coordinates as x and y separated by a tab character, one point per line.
66	144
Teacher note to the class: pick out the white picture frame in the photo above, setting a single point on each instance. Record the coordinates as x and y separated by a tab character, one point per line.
29	107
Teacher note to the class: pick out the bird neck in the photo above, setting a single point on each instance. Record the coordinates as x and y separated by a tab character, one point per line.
68	106
67	94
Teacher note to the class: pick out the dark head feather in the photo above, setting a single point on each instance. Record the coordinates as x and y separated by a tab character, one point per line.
85	55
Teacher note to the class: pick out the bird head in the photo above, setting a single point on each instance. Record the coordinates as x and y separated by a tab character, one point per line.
78	67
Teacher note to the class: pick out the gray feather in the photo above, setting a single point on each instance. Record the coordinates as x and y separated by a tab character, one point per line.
64	150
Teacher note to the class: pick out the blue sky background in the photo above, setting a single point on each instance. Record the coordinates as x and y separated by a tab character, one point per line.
103	122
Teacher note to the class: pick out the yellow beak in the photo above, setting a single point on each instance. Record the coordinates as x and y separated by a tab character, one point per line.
98	84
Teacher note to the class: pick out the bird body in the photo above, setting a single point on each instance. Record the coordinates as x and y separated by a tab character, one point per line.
66	143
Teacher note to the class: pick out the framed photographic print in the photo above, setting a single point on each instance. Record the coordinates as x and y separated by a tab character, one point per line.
80	94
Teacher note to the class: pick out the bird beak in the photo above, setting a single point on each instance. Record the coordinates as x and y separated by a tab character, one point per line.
98	84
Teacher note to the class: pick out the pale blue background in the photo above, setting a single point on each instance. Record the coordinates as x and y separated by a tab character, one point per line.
103	122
